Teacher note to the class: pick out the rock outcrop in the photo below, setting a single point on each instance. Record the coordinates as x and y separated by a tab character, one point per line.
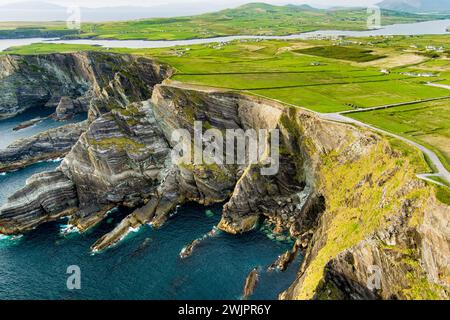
51	144
74	81
46	196
345	193
67	108
250	284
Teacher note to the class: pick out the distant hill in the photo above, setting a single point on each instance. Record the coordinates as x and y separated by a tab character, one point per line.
43	11
249	19
417	6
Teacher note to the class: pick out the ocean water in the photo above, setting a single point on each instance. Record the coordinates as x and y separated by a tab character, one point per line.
145	265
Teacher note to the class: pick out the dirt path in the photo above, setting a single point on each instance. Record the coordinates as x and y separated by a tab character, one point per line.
438	85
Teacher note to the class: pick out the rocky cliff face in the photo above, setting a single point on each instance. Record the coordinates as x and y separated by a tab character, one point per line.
373	240
346	188
54	143
107	84
46	197
74	81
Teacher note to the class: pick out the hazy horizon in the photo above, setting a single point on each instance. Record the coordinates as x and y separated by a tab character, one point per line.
219	3
120	10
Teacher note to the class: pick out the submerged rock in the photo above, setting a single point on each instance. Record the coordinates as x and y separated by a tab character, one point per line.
284	260
189	249
27	124
66	108
250	284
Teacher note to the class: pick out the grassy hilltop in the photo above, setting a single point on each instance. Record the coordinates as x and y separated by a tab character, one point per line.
249	19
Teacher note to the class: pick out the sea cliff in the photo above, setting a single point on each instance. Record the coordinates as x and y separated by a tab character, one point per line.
350	196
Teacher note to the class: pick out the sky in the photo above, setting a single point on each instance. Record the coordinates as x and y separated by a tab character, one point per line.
109	3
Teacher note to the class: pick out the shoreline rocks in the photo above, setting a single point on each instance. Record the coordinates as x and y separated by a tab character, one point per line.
284	260
46	196
51	144
27	124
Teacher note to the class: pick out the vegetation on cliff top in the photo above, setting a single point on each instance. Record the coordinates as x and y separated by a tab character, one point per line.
357	206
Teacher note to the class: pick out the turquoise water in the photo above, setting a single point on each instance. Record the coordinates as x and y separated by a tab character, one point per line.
146	265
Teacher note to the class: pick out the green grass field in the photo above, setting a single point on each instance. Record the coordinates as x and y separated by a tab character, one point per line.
277	70
426	123
343	53
250	19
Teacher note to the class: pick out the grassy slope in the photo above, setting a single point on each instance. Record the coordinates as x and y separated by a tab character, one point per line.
356	215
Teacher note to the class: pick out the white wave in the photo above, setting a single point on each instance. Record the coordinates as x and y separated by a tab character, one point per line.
67	229
131	229
4	237
10	238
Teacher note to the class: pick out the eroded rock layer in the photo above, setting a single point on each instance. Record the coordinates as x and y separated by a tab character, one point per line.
73	81
51	144
46	196
344	192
